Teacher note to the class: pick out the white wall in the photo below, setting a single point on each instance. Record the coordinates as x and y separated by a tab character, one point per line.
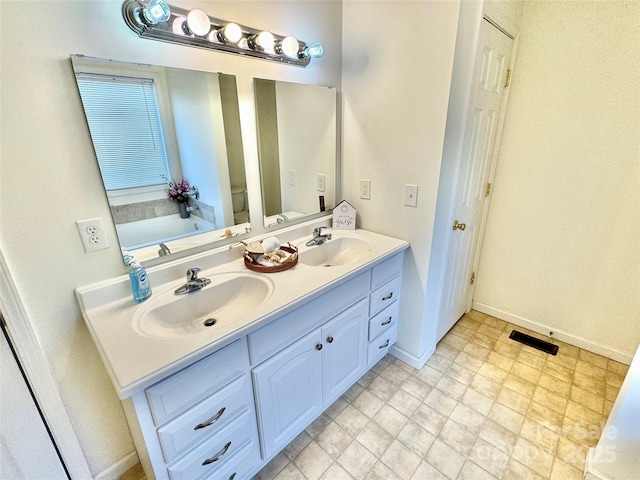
49	171
397	63
561	250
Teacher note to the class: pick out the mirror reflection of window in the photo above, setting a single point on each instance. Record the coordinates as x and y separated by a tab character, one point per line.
123	117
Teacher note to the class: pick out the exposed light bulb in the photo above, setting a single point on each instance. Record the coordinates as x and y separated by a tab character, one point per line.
157	11
198	22
262	41
289	46
314	51
231	33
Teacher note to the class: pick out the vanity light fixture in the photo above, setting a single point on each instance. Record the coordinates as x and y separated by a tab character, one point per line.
157	20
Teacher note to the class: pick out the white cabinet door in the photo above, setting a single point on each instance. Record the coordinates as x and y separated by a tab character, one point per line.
344	351
289	392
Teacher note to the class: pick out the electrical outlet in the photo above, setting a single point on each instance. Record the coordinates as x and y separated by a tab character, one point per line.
292	178
92	234
365	189
411	195
320	182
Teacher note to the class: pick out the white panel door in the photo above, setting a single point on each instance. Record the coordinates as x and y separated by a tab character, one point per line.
289	392
345	350
490	72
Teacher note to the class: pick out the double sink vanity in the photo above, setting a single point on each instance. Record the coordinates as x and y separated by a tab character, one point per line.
216	382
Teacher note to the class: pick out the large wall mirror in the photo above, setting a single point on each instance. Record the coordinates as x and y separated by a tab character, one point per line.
151	128
296	127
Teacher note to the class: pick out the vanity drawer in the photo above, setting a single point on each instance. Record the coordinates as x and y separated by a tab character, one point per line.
384	320
384	296
386	271
380	346
270	339
187	387
215	452
208	416
238	467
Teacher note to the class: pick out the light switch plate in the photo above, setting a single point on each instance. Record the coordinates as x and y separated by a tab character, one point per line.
292	178
411	195
320	180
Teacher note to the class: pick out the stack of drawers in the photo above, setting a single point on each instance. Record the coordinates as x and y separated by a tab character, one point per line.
204	418
384	307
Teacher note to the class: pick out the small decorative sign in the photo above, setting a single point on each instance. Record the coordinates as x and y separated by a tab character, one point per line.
344	216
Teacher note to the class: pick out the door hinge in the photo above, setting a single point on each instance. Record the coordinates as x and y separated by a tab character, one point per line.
508	80
473	278
487	190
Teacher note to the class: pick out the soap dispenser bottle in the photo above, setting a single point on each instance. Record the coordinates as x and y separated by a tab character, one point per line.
140	286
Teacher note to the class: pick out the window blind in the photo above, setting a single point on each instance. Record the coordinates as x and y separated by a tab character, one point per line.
124	121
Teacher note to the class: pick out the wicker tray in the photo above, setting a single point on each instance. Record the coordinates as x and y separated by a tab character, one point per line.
256	267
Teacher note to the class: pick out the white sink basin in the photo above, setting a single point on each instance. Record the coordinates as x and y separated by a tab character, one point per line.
228	298
335	252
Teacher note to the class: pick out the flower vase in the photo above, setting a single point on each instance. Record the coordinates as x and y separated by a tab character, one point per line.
183	210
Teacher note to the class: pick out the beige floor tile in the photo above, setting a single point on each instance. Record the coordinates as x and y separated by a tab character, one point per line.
462	331
468	418
395	374
572	453
471	471
540	435
357	460
559	371
486	386
476	316
533	457
500	360
493	372
517	471
513	400
290	472
587	399
416	387
428	418
318	425
473	320
313	461
594	359
520	385
460	373
365	380
551	400
495	322
526	372
531	359
509	419
617	367
483	340
440	402
351	420
416	438
498	436
476	350
427	471
368	403
336	472
336	407
554	384
457	437
489	458
445	459
404	402
297	445
565	361
565	471
614	379
381	472
354	391
544	415
455	341
451	386
507	348
591	370
401	460
390	419
447	351
333	439
490	331
469	362
438	362
375	438
382	388
428	375
477	401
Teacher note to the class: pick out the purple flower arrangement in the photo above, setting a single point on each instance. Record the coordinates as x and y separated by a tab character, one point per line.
179	191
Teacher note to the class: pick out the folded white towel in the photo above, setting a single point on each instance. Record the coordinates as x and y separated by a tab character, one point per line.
270	244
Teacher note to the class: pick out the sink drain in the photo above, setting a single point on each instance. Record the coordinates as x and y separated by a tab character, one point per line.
209	322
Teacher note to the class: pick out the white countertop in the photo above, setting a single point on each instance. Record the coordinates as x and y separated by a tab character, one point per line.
135	360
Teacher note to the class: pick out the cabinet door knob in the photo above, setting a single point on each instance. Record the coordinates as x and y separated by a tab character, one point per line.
217	456
387	322
211	421
330	339
319	346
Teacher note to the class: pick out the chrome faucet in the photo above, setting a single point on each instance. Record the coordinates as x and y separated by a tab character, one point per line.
193	282
193	208
164	250
318	238
282	218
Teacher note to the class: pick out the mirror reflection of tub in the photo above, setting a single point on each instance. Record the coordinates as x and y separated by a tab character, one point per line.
146	232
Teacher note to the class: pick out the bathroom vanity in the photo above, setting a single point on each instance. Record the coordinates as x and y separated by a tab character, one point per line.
219	402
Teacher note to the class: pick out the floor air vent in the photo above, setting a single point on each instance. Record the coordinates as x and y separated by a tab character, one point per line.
546	347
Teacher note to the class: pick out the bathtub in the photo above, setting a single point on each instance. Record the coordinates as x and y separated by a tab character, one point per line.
152	231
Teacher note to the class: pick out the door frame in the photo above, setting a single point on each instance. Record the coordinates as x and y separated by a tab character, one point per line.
35	365
471	16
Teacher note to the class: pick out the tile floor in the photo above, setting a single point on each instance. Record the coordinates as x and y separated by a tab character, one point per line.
483	407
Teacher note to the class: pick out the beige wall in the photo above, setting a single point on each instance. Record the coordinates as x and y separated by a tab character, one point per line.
48	170
561	250
397	63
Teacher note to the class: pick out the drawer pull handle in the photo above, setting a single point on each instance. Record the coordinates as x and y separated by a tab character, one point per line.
387	322
233	475
388	297
329	339
386	344
217	456
319	346
211	421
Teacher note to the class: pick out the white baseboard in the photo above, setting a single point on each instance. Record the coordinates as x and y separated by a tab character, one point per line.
412	360
542	329
119	468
